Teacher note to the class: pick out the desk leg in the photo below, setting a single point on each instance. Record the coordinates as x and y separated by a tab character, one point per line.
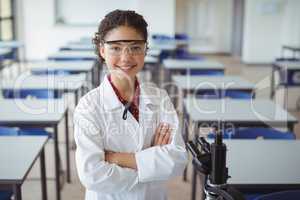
43	175
272	83
76	97
194	182
67	147
185	126
56	158
17	192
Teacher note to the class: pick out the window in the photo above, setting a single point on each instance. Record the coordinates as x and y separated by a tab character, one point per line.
7	29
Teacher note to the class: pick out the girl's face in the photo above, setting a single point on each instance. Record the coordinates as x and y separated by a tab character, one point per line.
124	51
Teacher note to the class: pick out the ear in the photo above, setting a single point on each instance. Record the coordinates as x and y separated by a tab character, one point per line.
101	50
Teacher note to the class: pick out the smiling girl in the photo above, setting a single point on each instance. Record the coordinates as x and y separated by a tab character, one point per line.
127	134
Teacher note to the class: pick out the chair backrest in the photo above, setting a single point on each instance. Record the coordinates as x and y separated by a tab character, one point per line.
283	195
8	131
215	94
226	135
181	36
201	72
36	93
50	72
6	194
71	58
236	94
265	133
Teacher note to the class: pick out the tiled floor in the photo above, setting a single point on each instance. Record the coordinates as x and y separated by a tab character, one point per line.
177	189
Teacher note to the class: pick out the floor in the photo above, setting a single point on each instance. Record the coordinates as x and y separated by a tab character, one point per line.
177	189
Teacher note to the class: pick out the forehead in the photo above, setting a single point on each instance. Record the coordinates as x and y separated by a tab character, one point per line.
123	33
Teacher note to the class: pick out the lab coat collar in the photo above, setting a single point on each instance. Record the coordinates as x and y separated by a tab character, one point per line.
149	95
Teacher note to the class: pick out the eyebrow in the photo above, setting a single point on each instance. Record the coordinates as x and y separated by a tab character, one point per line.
119	41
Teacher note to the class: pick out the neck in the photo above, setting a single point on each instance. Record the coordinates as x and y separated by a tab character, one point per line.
125	86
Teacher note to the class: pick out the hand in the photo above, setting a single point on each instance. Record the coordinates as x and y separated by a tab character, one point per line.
162	135
121	159
110	157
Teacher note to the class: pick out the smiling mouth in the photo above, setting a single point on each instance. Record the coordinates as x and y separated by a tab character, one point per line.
126	67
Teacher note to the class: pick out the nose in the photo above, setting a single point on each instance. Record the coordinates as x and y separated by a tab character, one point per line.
125	55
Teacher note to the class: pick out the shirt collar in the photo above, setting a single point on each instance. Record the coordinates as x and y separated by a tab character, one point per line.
149	95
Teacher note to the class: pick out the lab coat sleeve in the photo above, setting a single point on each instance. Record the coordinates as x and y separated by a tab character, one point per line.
163	162
94	173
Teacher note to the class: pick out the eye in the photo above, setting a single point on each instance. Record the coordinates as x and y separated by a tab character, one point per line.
115	48
136	48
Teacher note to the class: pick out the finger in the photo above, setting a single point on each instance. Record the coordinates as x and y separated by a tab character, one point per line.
163	133
157	133
166	137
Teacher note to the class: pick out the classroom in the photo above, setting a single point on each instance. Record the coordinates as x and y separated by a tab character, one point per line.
149	100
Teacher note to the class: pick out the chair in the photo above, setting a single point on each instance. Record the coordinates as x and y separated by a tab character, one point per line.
37	93
181	36
265	133
71	58
51	72
236	94
6	195
8	131
283	195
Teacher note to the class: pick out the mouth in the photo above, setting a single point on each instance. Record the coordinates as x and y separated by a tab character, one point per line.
126	68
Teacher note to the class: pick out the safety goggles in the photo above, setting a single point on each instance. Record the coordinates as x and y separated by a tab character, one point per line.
131	47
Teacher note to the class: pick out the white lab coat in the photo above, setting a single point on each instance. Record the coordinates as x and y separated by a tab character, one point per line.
99	126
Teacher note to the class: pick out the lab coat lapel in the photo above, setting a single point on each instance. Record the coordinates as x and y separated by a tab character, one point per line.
118	130
149	114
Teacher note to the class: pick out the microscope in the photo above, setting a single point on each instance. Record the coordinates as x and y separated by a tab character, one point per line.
210	160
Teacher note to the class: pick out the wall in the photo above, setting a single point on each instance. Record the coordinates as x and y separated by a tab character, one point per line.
42	37
207	22
269	24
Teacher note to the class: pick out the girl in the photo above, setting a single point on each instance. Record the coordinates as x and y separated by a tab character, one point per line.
127	134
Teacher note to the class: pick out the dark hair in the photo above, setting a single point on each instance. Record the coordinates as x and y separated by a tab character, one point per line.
118	18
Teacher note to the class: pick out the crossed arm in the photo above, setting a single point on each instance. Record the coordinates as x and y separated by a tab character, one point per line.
162	137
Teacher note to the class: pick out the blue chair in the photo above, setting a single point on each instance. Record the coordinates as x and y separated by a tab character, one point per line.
51	72
226	135
24	93
283	195
236	94
181	36
201	72
8	131
71	58
5	195
266	133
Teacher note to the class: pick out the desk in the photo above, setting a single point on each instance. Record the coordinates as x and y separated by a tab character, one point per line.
73	55
154	52
237	112
60	83
15	46
173	66
39	114
293	49
71	66
3	54
289	76
77	47
266	165
190	84
15	166
80	56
